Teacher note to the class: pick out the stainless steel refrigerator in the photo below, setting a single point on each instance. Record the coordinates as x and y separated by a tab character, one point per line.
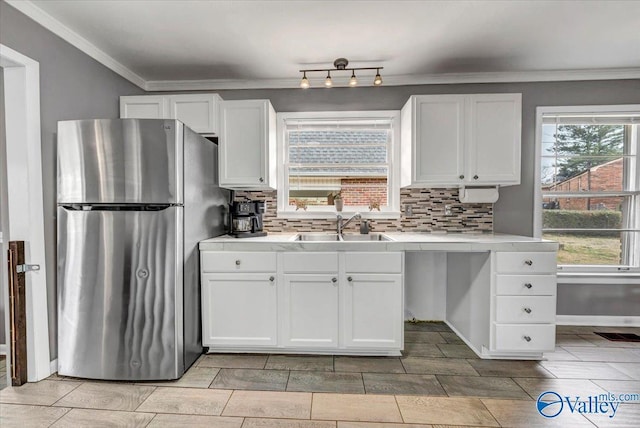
134	198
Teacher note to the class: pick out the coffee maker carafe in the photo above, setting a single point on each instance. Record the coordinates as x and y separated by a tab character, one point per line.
246	219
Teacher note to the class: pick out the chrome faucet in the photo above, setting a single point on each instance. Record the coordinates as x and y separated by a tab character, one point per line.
342	224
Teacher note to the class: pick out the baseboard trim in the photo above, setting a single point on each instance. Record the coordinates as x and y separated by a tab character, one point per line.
54	366
598	320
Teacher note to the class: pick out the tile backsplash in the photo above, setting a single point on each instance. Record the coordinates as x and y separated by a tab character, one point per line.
427	214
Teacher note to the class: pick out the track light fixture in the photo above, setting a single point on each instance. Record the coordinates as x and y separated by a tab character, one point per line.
304	83
328	82
340	64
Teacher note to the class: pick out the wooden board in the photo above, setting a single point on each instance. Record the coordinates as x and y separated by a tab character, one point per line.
17	314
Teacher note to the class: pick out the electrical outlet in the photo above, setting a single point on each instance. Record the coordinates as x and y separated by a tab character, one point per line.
408	209
447	210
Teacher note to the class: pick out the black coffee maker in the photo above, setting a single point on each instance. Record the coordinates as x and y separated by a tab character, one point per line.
246	219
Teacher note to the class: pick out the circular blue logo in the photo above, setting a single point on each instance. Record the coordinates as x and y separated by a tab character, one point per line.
549	404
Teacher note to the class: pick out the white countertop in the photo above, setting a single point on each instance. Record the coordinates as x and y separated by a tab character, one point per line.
400	242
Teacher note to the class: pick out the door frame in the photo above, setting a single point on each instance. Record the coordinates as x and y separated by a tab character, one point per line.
25	197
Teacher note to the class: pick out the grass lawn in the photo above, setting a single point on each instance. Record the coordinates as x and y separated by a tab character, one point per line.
586	250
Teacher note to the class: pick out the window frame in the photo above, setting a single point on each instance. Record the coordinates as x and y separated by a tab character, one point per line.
284	210
587	271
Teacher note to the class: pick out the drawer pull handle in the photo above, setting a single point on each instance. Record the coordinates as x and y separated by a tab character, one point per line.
238	262
527	310
272	278
261	180
527	338
334	280
528	262
475	177
349	279
461	177
528	285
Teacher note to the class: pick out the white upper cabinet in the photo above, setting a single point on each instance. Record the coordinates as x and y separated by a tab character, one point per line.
143	107
461	140
493	139
198	111
247	145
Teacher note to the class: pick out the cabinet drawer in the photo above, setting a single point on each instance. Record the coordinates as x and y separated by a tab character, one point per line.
516	309
526	285
373	262
526	262
224	261
303	262
541	337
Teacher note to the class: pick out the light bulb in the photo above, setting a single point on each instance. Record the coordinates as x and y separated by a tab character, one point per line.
328	82
304	83
353	81
378	79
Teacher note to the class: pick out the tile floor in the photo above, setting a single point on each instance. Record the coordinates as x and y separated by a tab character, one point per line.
3	372
438	382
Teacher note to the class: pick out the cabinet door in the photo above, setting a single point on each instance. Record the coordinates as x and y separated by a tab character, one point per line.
373	311
493	136
198	111
245	142
439	140
310	305
239	309
144	107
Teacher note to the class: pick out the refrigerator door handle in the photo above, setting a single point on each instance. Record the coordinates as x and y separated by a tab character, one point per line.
116	207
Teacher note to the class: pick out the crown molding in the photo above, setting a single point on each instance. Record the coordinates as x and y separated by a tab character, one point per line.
75	39
404	80
58	28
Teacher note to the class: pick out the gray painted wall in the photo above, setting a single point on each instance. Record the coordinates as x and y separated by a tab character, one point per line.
72	86
513	213
3	198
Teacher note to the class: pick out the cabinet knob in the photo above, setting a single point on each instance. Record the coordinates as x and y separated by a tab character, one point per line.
272	278
528	262
527	310
334	280
527	338
528	285
261	180
238	262
461	177
350	279
475	177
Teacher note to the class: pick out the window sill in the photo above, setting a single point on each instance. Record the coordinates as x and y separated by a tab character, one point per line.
628	277
332	214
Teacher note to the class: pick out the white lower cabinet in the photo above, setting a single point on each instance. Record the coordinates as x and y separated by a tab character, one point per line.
239	309
524	302
373	309
309	302
310	306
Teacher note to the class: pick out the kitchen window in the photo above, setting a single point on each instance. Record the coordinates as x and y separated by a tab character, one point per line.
590	187
333	156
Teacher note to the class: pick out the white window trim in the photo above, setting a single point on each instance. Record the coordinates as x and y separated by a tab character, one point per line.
589	271
393	210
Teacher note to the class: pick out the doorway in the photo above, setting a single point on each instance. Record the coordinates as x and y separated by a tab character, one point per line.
21	211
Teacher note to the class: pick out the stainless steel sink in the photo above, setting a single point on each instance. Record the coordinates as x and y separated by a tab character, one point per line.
333	237
366	237
317	236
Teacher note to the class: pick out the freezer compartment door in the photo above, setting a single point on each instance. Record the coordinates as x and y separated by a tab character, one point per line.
120	161
120	294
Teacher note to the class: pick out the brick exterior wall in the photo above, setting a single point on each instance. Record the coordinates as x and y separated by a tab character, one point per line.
427	214
605	177
363	191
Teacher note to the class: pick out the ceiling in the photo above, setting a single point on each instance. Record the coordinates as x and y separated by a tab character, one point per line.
226	44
